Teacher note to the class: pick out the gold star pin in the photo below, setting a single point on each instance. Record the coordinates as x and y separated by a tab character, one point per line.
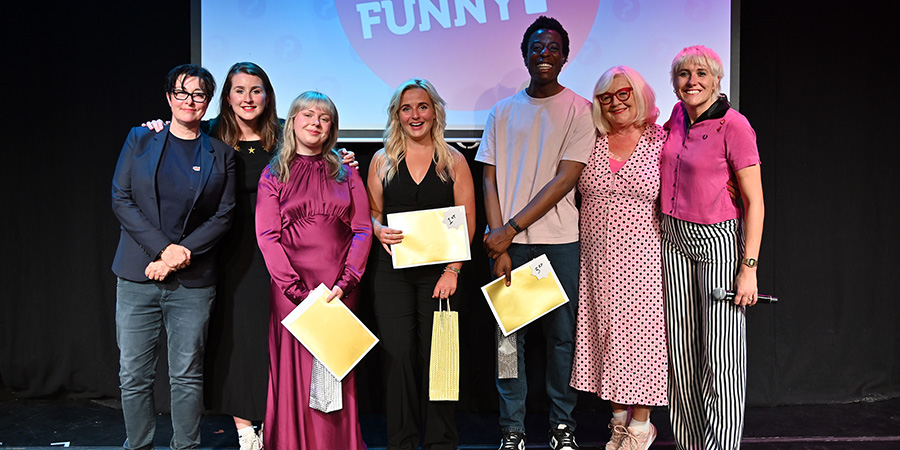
251	150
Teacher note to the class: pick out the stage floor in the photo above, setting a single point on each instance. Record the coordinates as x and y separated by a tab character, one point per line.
97	424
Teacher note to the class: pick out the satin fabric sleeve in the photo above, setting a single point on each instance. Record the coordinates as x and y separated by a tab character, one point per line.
130	215
268	236
361	224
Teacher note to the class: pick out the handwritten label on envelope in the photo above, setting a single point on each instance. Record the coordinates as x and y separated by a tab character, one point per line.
533	292
432	236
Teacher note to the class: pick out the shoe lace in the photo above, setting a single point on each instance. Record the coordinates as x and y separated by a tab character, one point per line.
511	441
565	438
631	440
619	433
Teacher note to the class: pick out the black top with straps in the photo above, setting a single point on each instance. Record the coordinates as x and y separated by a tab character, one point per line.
402	194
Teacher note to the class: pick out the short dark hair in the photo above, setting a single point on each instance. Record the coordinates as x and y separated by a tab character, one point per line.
207	82
546	23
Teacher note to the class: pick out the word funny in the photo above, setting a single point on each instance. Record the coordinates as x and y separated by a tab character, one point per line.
370	13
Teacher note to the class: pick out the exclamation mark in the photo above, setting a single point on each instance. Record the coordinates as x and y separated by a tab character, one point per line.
535	6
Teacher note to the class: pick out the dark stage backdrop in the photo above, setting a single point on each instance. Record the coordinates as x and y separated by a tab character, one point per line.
816	83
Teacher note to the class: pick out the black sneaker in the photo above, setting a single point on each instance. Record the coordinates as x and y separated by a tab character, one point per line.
513	440
562	438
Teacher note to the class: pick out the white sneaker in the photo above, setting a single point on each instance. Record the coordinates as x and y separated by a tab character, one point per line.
250	441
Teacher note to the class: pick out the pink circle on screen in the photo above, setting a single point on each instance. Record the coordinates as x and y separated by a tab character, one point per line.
473	58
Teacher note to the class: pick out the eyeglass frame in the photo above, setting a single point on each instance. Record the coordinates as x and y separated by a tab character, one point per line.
627	90
193	95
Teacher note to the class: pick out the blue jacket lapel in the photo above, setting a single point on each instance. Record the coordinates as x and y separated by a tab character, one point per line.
207	161
154	156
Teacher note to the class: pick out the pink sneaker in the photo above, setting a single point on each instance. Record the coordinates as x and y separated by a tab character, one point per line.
617	435
639	440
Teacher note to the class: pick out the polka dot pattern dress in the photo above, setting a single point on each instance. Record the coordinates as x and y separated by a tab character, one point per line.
620	347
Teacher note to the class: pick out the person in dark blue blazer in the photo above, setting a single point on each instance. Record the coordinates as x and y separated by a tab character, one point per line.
173	194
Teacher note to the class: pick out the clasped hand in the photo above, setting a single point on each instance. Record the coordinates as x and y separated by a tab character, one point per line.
174	257
497	241
158	270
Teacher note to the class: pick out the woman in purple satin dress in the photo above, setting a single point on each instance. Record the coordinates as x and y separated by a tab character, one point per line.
313	226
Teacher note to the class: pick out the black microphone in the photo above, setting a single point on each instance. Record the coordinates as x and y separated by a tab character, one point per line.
721	294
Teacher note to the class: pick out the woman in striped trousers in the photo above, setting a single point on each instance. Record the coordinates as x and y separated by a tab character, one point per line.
709	240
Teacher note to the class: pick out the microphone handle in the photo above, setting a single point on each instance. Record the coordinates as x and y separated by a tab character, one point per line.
760	298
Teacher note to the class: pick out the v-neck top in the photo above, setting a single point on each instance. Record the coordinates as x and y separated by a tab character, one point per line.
403	194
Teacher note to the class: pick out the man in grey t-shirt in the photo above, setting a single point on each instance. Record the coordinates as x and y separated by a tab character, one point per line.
534	147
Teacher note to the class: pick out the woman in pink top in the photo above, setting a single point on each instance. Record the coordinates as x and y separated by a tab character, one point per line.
620	341
709	240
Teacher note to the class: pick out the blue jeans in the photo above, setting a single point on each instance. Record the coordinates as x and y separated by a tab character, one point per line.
559	334
141	310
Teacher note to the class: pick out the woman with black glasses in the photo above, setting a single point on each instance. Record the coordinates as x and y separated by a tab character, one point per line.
237	362
173	194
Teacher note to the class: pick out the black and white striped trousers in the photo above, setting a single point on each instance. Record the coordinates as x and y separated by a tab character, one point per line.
707	337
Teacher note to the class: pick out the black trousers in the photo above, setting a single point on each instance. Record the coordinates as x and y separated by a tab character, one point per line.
404	310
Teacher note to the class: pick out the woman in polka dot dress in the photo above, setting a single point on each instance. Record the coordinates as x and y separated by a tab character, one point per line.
620	347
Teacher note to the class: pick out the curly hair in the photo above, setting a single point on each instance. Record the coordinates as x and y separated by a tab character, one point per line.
546	23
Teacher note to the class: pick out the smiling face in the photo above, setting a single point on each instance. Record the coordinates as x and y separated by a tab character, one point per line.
617	112
416	115
247	97
188	112
545	58
312	126
697	87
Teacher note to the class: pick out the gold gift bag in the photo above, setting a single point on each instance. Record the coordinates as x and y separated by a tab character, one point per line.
443	383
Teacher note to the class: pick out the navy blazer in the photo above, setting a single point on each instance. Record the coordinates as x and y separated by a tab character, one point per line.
135	204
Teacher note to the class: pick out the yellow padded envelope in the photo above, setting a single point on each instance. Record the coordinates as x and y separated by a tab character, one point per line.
431	236
330	332
533	292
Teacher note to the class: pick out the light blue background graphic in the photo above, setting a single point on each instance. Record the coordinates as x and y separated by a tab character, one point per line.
302	46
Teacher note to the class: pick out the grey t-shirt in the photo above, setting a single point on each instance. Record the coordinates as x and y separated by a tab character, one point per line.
525	138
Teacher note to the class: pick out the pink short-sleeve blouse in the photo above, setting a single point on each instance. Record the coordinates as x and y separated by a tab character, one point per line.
697	162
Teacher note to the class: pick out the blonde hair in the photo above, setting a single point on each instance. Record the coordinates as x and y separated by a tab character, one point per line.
395	136
280	166
644	98
701	56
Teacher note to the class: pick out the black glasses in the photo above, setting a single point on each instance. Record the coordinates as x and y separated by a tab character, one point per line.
198	97
622	95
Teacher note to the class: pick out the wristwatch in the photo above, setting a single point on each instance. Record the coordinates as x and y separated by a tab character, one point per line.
750	262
